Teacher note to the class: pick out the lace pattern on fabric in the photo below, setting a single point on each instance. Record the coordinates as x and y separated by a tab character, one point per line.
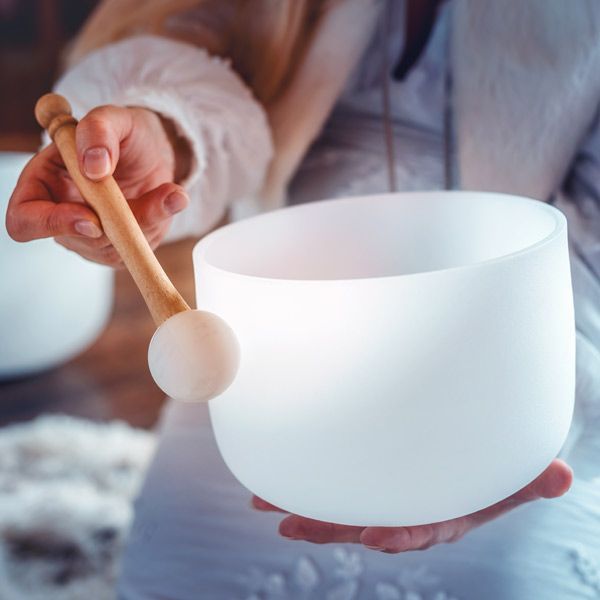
307	580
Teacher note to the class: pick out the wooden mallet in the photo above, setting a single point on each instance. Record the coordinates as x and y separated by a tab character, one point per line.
193	355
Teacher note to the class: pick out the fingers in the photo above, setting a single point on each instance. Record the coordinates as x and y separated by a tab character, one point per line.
46	203
318	532
384	539
555	481
104	255
153	210
398	539
98	138
158	205
419	537
263	505
34	211
101	250
40	219
310	530
552	483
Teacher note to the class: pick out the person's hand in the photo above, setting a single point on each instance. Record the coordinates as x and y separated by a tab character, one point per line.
131	143
552	483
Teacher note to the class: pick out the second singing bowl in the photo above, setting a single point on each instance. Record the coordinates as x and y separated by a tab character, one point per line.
404	358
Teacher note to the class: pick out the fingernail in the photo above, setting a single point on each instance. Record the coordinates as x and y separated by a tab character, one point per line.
88	229
378	548
175	202
96	162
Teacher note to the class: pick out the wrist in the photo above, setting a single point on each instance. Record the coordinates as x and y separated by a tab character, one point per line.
174	150
180	148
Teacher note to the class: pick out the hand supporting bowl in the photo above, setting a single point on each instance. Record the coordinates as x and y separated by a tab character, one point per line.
404	359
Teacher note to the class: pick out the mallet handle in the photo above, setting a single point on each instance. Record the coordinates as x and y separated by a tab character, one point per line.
53	112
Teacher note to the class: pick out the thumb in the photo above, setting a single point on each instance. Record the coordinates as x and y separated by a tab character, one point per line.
98	138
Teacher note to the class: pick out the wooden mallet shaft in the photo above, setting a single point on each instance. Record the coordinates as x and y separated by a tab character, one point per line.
53	113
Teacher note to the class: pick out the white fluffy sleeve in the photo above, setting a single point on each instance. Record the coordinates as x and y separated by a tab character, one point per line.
226	127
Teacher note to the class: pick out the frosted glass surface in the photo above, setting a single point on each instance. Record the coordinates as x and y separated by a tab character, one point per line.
53	303
405	358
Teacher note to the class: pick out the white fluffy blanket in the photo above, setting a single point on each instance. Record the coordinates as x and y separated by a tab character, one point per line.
66	491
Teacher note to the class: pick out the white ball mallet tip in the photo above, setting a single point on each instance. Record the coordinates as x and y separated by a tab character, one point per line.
193	356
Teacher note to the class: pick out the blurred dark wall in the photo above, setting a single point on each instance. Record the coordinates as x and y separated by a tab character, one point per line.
33	33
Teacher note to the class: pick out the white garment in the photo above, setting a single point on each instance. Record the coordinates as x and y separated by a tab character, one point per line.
207	101
349	158
195	535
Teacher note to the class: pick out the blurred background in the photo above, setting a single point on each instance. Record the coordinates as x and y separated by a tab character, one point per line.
69	344
33	33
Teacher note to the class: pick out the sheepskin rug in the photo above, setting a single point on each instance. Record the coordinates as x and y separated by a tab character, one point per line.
66	491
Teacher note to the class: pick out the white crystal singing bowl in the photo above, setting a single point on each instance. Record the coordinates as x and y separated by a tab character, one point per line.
53	303
405	358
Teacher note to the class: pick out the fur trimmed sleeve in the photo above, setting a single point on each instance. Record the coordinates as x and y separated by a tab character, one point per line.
211	107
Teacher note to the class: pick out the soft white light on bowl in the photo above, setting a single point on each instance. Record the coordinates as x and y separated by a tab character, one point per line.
404	358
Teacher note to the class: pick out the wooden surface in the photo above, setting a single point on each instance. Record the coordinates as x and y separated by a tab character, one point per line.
111	379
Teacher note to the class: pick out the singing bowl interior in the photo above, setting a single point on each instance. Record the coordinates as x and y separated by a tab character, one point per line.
405	358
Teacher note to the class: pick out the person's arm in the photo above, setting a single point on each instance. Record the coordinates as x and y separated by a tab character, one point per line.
205	100
150	108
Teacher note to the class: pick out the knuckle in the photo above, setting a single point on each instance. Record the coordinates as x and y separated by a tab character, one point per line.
14	227
458	532
425	546
104	111
52	223
109	255
410	537
451	531
101	114
98	243
155	239
97	122
429	536
93	126
148	220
